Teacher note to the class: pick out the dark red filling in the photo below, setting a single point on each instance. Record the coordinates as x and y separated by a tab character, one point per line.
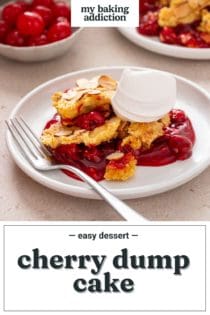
184	35
91	160
176	144
90	121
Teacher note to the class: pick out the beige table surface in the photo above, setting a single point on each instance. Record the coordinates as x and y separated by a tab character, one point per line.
23	199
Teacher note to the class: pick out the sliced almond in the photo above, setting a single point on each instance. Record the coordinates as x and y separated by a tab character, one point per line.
69	95
95	80
87	84
81	83
79	132
115	156
107	82
63	132
79	95
94	92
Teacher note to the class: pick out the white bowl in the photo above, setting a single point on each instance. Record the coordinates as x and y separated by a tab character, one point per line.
40	53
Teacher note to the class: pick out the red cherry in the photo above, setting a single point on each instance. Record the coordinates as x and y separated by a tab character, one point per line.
30	23
61	19
181	147
59	31
68	152
38	40
45	3
25	6
177	116
45	13
197	43
4	28
95	173
184	28
93	154
147	5
60	8
192	39
149	24
14	38
90	121
168	36
186	37
11	12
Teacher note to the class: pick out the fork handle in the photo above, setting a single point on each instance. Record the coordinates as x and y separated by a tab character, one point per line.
122	208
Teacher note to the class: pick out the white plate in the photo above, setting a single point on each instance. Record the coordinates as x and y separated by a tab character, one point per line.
155	45
36	108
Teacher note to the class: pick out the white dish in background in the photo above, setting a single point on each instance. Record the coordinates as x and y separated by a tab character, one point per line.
155	45
36	109
40	53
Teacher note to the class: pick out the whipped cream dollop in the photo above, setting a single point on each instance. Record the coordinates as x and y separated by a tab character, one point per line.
144	96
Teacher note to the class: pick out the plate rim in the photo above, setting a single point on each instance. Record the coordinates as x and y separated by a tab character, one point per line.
174	51
86	192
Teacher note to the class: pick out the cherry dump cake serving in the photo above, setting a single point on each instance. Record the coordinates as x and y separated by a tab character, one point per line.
86	133
177	22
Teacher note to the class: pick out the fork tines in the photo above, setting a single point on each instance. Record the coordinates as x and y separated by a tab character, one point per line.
26	139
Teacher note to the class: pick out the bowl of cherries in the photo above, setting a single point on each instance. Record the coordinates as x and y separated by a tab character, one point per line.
37	30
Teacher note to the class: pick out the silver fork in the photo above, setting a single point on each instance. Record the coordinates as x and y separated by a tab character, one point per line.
40	158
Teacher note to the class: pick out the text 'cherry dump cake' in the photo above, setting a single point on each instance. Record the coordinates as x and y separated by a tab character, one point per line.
86	133
177	22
